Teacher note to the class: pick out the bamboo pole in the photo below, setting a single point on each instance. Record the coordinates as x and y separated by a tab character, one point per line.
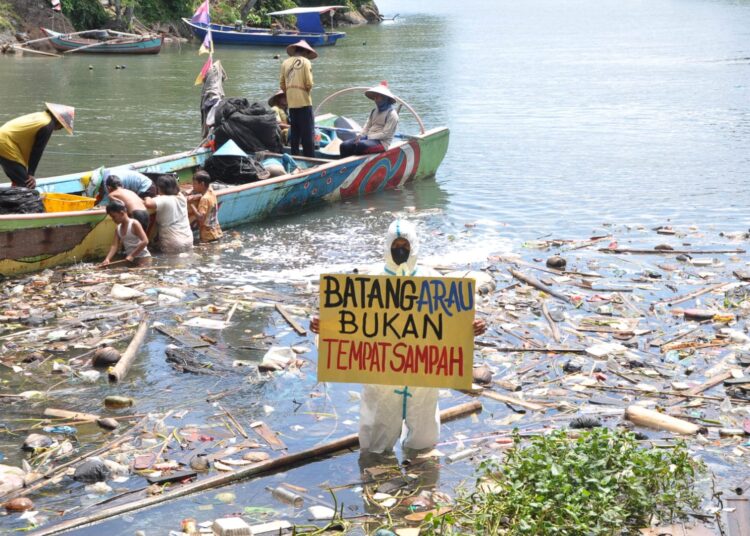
552	325
32	51
119	371
534	282
671	251
347	442
52	37
513	401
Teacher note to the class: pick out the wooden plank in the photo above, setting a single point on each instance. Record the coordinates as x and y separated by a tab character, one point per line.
270	437
185	339
72	415
295	326
513	401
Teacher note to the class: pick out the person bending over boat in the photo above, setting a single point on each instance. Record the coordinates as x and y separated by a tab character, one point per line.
130	179
387	412
172	220
131	200
23	140
297	82
378	132
129	235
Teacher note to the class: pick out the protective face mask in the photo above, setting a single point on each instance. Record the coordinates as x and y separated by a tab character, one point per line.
400	255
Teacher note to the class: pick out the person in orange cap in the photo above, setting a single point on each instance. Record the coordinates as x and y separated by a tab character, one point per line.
377	134
22	141
297	82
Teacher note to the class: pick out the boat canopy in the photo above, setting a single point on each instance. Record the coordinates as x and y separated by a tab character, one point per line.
308	18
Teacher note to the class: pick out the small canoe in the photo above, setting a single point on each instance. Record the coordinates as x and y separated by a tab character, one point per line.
31	242
308	23
105	42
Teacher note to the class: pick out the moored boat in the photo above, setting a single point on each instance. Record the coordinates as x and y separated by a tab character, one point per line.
30	242
105	42
308	24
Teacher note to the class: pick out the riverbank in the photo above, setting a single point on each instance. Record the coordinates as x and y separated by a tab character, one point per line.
622	323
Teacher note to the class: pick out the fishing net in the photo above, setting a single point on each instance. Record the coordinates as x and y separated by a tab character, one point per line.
20	201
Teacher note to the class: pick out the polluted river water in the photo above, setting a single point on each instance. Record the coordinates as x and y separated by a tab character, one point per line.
589	119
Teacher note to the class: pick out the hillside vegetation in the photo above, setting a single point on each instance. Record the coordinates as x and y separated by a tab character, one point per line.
92	14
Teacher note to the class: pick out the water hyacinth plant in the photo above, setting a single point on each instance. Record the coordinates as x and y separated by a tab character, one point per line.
602	482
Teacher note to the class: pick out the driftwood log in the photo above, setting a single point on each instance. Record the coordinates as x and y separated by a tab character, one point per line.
119	371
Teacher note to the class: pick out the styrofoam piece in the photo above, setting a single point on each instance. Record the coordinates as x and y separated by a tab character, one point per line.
232	526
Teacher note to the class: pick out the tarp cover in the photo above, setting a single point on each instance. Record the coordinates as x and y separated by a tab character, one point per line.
20	201
235	169
252	126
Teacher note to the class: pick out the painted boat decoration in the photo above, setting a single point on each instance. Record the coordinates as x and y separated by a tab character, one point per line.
105	42
308	23
30	242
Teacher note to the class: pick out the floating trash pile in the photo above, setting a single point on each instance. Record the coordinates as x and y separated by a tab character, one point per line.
638	328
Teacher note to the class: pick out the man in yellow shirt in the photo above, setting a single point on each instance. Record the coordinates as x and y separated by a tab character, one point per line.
297	82
22	141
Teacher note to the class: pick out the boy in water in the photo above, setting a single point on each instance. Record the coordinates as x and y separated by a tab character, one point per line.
129	235
133	203
204	209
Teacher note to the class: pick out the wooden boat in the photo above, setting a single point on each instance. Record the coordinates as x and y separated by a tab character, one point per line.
308	23
105	42
30	242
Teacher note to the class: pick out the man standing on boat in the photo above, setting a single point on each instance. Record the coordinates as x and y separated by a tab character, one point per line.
23	140
297	82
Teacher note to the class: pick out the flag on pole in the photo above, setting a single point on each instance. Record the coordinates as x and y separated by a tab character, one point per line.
56	5
201	15
207	47
206	67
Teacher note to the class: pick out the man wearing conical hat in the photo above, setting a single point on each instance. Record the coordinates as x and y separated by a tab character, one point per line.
23	140
297	82
377	134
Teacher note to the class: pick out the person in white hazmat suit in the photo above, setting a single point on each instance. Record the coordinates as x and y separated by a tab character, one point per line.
388	412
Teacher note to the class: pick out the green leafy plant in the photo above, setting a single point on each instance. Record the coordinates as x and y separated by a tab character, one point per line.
6	16
600	483
85	14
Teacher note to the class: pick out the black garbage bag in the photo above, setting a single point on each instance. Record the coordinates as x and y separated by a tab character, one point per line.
235	169
253	127
20	201
92	471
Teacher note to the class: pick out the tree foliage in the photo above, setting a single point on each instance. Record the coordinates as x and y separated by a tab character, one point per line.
86	14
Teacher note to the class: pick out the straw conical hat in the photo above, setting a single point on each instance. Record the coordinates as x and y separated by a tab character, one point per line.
275	96
311	54
64	115
381	89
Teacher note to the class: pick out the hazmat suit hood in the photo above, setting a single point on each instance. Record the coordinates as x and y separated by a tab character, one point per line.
401	229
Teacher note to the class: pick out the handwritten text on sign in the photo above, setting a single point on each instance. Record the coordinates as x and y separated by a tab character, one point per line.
396	330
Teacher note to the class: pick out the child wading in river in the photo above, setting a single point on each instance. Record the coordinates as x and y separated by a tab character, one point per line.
129	235
204	209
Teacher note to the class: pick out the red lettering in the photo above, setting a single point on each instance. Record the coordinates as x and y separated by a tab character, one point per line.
397	354
384	349
341	352
457	360
328	352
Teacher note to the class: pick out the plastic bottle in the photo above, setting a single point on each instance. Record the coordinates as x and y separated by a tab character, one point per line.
286	496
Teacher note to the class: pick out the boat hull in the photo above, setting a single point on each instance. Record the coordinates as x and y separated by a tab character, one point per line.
31	242
62	43
226	35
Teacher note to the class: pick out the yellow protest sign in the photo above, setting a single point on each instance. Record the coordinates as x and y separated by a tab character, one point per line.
392	330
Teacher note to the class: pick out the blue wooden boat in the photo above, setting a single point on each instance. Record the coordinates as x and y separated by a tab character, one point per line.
105	42
31	242
308	23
